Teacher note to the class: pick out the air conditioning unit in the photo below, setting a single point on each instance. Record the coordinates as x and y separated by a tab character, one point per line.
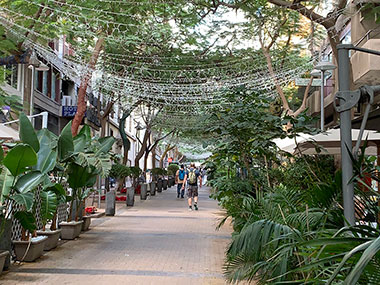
66	101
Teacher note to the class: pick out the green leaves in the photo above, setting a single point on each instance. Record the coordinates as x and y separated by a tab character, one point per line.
29	181
80	176
106	144
27	133
48	205
20	158
27	220
65	142
24	199
46	156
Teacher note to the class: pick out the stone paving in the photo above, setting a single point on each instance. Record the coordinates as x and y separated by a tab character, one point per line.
158	241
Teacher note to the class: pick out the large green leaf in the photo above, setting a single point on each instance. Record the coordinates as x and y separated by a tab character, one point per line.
27	220
80	176
48	205
59	191
106	144
1	155
47	137
86	131
20	158
29	181
6	180
366	257
47	160
65	142
24	199
47	156
80	142
27	133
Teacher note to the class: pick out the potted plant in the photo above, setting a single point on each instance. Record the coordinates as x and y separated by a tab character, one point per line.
47	214
172	170
55	194
157	177
84	158
23	174
86	218
164	179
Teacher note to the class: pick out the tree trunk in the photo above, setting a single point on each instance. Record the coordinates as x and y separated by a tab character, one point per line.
146	156
162	158
104	117
83	87
154	157
143	147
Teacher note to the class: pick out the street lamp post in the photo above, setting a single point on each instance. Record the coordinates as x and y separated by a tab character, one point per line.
323	66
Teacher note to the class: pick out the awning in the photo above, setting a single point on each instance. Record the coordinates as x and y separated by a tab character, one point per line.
329	142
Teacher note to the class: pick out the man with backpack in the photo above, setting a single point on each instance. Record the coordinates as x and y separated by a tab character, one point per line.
192	177
180	178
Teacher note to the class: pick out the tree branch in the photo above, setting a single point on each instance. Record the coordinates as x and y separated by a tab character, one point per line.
303	105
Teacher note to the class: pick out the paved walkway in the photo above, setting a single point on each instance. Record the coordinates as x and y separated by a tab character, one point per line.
158	241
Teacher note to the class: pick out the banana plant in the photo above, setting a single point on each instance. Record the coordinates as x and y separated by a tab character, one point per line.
84	159
25	168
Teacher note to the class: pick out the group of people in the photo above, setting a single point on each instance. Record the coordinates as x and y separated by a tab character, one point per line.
189	179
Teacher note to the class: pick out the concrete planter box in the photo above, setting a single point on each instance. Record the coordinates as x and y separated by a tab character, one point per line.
86	223
165	184
52	238
36	249
153	186
130	196
70	230
6	242
159	186
144	191
3	256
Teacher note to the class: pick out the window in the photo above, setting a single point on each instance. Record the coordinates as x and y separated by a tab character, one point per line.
53	80
45	83
11	75
347	38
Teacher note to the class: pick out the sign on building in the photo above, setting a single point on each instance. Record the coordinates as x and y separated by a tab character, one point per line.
69	111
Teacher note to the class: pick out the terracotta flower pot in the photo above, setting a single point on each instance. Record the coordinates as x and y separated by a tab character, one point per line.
70	230
35	248
53	237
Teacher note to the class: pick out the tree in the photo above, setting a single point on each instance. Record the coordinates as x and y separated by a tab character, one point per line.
304	8
173	141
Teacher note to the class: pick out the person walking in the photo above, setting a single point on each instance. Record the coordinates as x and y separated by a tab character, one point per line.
180	178
192	177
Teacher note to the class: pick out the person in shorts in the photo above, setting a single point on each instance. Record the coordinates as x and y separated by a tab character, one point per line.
192	178
180	178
